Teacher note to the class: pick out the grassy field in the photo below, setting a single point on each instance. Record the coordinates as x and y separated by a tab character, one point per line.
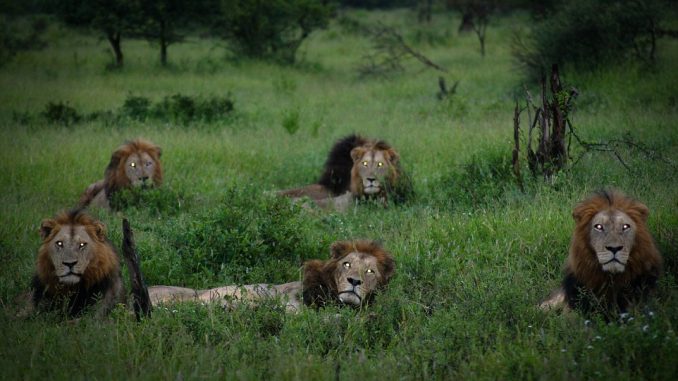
474	254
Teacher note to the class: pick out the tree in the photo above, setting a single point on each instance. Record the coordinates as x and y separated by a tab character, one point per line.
115	18
271	29
475	16
165	19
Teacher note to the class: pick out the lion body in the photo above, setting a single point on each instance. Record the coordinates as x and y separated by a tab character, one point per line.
76	267
354	271
356	168
612	262
134	164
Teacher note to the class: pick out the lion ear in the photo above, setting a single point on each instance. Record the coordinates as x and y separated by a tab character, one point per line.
388	267
99	231
642	211
158	151
338	249
46	227
357	153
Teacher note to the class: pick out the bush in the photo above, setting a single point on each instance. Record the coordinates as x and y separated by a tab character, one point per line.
249	238
271	29
136	107
61	113
160	201
588	33
184	109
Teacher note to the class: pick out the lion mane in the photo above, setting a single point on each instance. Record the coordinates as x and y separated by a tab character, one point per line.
586	285
320	277
342	174
99	281
116	175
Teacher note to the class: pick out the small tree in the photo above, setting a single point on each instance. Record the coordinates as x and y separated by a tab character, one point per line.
114	18
164	20
270	28
475	17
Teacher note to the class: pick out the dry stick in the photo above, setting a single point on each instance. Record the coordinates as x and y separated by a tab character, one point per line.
516	148
142	302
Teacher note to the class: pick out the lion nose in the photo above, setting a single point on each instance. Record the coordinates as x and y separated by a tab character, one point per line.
371	179
354	282
144	178
614	249
70	264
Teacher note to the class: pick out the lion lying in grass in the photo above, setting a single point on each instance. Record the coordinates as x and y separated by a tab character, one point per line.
357	168
613	262
355	270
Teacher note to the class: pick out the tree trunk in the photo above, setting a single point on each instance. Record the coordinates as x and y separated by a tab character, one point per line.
163	44
114	40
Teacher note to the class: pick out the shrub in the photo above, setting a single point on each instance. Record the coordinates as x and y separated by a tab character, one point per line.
163	200
271	29
184	109
136	107
248	238
588	33
61	113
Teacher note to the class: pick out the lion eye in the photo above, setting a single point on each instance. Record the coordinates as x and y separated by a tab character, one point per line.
347	265
598	227
83	244
133	165
370	271
60	243
149	163
626	227
380	164
364	164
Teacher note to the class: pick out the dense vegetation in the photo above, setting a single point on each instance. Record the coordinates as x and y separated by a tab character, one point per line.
474	253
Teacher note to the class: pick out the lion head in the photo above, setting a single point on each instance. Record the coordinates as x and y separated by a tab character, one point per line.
355	270
612	257
375	169
74	250
134	164
76	264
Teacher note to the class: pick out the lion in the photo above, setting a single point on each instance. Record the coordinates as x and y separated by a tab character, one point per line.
356	169
355	270
76	268
613	262
134	164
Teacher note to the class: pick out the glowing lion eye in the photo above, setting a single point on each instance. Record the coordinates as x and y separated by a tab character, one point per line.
59	243
364	164
380	164
83	244
626	227
347	265
133	165
370	271
598	227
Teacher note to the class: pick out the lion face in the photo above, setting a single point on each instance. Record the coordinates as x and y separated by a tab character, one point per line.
140	169
612	236
134	164
70	248
356	276
373	170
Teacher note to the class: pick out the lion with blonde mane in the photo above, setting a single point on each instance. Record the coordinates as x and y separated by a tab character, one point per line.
613	262
76	267
134	164
355	270
357	169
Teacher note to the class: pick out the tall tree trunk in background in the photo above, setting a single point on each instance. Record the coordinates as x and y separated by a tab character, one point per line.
114	40
163	43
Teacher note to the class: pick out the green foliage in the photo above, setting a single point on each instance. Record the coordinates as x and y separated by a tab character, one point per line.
589	33
61	113
246	236
184	109
18	35
271	29
290	121
159	201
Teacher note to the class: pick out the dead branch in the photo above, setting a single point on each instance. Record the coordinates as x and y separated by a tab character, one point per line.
142	302
388	52
516	147
444	91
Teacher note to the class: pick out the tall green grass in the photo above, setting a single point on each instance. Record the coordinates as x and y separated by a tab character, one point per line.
474	254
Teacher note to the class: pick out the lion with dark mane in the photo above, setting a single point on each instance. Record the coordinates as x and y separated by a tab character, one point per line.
357	168
76	267
355	270
134	164
613	262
